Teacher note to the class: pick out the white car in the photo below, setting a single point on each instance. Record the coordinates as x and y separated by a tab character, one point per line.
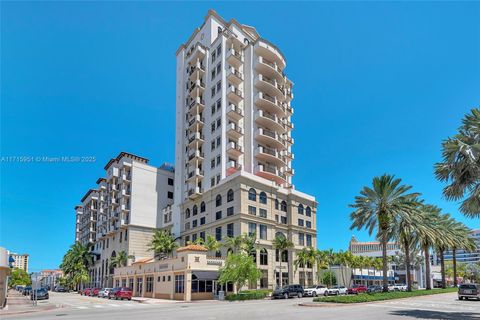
104	292
314	291
397	287
336	291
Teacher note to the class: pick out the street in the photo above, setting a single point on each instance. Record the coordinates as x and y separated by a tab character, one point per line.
73	306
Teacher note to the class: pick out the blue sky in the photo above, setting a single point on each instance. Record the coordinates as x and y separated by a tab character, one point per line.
378	85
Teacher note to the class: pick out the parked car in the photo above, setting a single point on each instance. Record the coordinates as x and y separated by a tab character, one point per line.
103	293
356	289
94	292
469	290
314	291
60	289
336	290
120	293
86	291
41	294
26	291
374	289
287	291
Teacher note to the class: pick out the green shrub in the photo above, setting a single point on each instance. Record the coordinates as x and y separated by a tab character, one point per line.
368	297
247	295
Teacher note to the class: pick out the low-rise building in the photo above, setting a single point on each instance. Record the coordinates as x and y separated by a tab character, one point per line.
50	278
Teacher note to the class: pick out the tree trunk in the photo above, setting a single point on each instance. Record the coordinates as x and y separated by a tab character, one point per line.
407	265
454	257
442	268
385	262
427	268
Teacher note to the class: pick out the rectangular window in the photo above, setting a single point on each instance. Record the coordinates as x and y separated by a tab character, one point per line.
219	67
218	178
179	283
284	220
252	210
213	92
187	240
277	217
212	182
308	224
213	74
300	222
194	237
194	223
252	228
202	221
230	230
309	240
213	126
212	163
219	122
170	181
229	211
219	104
170	195
212	145
187	226
263	232
219	141
263	213
218	215
219	159
301	239
219	86
219	50
202	235
214	56
149	284
218	233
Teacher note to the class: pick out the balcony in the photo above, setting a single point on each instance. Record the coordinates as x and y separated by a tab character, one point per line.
196	88
196	71
232	167
233	130
234	94
270	155
288	125
234	57
126	192
195	53
269	120
125	207
270	69
269	137
233	149
194	193
196	155
195	139
270	172
234	76
289	171
234	112
270	104
288	154
289	109
289	139
192	175
270	86
196	122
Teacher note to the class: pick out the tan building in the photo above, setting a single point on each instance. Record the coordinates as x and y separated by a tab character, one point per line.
20	261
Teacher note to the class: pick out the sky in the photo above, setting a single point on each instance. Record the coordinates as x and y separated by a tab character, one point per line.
378	86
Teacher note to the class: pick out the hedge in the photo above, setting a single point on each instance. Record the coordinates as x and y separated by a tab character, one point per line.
247	295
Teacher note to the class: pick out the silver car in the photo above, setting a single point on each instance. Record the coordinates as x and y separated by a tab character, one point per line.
469	290
104	292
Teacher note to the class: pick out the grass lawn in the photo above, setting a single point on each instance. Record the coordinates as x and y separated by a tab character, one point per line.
367	297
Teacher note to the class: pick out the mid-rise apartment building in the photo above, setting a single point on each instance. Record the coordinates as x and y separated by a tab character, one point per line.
465	256
122	213
19	261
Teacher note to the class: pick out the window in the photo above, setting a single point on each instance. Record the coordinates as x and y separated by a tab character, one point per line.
283	207
187	226
218	178
169	194
276	204
308	212
218	233
212	163
213	92
263	232
149	284
121	237
213	105
219	104
308	224
252	228
187	240
252	210
219	159
202	207
219	50
230	195
169	278
194	237
139	286
213	126
285	256
202	235
219	139
212	145
218	254
187	213
219	67
179	283
201	285
263	257
214	56
301	239
283	220
170	181
263	197
300	222
194	223
263	213
230	230
218	200
202	221
252	195
309	240
300	208
219	87
277	217
212	182
126	235
229	211
195	210
218	215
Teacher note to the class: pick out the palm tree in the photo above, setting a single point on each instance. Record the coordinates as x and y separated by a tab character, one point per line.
162	244
282	244
212	244
120	260
376	207
301	260
461	165
76	262
461	239
233	243
444	241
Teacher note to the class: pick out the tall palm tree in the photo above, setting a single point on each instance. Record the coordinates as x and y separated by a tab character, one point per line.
461	239
120	260
163	244
460	167
301	260
76	262
282	244
444	241
377	206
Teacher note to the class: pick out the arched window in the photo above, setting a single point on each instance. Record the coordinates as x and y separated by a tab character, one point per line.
218	200
283	206
202	207
300	208
112	268
218	254
187	213
230	195
277	204
195	210
252	194
308	211
263	197
263	257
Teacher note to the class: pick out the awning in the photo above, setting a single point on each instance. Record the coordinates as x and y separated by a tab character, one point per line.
205	275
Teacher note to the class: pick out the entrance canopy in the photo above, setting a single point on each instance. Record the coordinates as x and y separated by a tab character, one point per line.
205	275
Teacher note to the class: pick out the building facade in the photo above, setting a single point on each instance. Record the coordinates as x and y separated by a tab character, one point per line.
19	261
50	278
122	213
464	256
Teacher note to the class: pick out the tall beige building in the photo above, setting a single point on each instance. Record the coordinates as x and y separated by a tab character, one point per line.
20	260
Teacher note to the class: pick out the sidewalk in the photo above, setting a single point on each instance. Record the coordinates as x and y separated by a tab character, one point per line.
153	300
19	304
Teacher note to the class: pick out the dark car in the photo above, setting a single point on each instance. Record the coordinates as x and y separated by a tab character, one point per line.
469	290
40	294
60	289
94	292
356	289
291	290
374	289
26	291
111	294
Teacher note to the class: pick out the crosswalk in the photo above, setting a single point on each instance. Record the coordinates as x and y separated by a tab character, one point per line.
109	306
